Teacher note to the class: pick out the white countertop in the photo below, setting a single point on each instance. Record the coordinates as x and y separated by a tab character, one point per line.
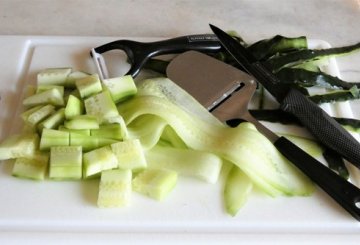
336	21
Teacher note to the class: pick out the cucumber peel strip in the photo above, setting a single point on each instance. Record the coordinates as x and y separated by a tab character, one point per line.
243	146
202	165
236	190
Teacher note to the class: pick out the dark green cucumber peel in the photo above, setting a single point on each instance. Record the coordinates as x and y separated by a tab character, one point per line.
336	163
336	96
297	57
266	48
277	115
308	78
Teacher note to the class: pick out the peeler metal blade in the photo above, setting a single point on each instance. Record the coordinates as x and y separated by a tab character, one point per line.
100	64
211	89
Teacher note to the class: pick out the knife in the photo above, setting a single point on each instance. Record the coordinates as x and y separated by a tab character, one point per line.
316	120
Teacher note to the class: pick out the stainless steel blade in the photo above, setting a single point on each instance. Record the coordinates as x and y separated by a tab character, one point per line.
221	88
100	64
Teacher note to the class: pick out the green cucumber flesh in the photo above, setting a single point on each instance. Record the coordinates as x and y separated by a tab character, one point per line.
238	187
155	183
101	106
115	188
112	131
42	88
170	136
53	121
53	76
52	96
25	115
77	131
65	162
255	156
98	160
89	142
19	145
129	154
89	85
73	76
120	88
119	120
82	122
203	165
37	116
31	168
52	137
74	107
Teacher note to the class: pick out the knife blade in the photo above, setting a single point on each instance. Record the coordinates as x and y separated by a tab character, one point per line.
316	120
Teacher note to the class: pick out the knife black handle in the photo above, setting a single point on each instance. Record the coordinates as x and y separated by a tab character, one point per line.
342	191
322	126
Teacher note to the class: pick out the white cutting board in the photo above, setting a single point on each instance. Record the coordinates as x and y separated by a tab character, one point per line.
194	207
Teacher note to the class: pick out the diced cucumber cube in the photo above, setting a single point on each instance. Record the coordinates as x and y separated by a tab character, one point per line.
19	145
98	160
42	88
53	121
89	143
101	106
51	137
89	85
65	162
31	168
130	154
115	188
53	76
155	183
28	112
82	122
120	87
37	116
111	131
73	76
74	107
52	96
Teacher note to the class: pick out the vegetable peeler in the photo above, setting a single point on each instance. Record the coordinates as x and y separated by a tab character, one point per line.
138	53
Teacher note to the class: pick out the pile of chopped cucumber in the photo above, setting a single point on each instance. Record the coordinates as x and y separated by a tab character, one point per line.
143	137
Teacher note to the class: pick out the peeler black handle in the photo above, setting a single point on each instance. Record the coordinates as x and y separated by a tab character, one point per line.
322	126
140	52
342	191
201	42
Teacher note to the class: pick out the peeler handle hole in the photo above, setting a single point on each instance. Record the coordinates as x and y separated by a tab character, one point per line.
357	204
117	62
